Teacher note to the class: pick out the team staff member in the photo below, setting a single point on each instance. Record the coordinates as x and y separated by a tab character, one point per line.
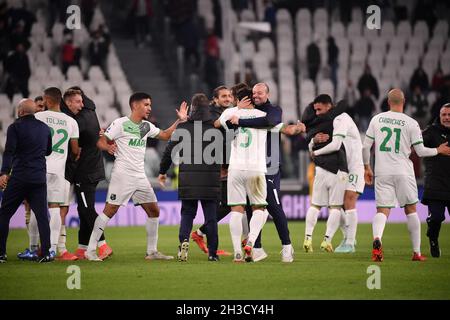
23	174
87	172
436	194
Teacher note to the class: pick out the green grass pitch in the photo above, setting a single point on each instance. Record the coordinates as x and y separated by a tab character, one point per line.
318	275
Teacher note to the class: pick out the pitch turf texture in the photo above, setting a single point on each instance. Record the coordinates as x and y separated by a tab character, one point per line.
318	275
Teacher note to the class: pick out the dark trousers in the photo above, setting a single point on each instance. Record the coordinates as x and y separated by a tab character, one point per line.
188	213
222	208
86	211
436	215
275	210
13	196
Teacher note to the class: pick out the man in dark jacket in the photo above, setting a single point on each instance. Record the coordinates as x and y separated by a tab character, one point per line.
198	180
23	175
436	194
88	171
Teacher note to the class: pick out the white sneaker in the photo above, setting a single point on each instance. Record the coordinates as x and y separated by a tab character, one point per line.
287	253
259	254
91	256
156	255
238	257
183	250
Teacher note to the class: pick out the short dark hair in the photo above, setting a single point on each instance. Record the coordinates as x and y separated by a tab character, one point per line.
54	93
138	96
217	90
447	105
199	108
244	93
38	98
76	88
237	87
323	98
71	92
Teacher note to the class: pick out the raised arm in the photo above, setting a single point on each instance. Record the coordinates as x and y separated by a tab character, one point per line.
182	116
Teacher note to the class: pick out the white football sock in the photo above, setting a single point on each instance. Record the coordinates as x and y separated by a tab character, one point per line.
351	217
245	227
343	224
256	224
333	221
378	224
236	229
151	226
99	226
33	232
311	220
62	240
55	227
414	230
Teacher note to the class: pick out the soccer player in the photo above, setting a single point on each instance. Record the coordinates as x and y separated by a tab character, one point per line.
64	131
128	179
331	171
345	132
393	133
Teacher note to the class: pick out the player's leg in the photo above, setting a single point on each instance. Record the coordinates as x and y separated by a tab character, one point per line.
209	211
237	200
55	197
407	195
188	213
64	210
436	215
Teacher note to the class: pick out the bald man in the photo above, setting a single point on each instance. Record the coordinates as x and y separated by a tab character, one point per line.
23	174
393	133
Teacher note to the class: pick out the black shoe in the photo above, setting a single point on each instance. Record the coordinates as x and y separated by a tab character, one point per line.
48	258
213	258
434	248
3	258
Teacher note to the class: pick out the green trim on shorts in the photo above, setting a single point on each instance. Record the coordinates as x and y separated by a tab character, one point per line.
416	143
259	204
389	207
339	135
409	204
236	204
317	205
370	137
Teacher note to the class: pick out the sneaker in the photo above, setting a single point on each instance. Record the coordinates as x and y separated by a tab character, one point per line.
48	258
287	253
104	251
80	254
223	253
156	255
345	248
248	251
199	241
307	245
238	257
92	256
418	257
3	258
213	258
244	242
28	255
67	256
183	251
259	254
326	246
377	251
434	248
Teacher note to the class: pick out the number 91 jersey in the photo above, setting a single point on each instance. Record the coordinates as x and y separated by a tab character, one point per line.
393	133
63	128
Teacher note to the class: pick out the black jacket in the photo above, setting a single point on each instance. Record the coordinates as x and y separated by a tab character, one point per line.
89	168
196	181
437	169
324	123
28	141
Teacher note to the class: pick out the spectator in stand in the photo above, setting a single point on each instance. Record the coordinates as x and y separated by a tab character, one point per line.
368	81
270	13
98	51
419	78
17	66
438	80
18	35
69	54
351	96
313	60
419	104
333	55
142	12
364	109
212	60
88	10
4	41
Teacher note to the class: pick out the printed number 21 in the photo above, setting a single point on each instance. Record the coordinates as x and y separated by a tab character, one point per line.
388	131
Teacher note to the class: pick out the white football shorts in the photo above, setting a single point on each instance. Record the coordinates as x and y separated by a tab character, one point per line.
395	189
242	183
328	188
123	186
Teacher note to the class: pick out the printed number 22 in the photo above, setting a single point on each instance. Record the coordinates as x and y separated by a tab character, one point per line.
388	131
56	146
